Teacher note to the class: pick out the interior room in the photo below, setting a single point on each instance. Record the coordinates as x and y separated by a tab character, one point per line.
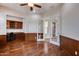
39	29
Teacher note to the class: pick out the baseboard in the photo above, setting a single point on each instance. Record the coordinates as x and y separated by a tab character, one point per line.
55	43
40	39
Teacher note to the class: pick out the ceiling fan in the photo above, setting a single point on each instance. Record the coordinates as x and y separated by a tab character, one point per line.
31	5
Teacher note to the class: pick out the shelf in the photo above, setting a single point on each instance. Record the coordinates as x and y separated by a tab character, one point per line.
40	35
14	24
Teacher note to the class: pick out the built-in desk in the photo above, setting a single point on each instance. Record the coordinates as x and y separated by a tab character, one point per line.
13	36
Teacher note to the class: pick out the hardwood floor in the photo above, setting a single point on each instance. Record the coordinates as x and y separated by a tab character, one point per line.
31	48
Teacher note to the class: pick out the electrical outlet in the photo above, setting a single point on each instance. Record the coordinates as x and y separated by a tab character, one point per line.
76	53
35	37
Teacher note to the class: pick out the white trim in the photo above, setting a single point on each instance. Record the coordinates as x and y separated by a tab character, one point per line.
58	44
40	39
74	38
55	43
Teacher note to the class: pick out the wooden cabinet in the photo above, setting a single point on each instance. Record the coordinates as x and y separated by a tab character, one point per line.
14	24
19	25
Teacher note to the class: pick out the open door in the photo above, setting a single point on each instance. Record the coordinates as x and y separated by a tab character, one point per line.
47	30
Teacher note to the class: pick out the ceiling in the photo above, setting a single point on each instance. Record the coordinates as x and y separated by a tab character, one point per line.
26	10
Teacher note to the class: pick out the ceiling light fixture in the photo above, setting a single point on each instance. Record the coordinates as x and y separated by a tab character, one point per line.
30	4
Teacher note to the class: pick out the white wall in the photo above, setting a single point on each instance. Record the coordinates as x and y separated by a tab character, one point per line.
32	25
70	20
2	24
13	18
7	11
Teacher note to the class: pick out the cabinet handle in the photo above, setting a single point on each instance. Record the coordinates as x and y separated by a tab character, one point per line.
76	53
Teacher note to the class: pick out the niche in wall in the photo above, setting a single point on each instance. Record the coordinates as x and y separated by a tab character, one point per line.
14	24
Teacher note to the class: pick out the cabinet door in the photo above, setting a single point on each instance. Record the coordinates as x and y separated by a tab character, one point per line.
12	24
19	25
16	25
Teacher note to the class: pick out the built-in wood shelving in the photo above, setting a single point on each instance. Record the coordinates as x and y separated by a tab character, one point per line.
14	24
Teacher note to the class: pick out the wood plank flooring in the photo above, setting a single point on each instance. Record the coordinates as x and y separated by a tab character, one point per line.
31	48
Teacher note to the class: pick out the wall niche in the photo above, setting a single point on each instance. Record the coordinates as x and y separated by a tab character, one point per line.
14	24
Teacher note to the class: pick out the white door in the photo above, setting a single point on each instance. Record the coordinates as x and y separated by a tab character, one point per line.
47	30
